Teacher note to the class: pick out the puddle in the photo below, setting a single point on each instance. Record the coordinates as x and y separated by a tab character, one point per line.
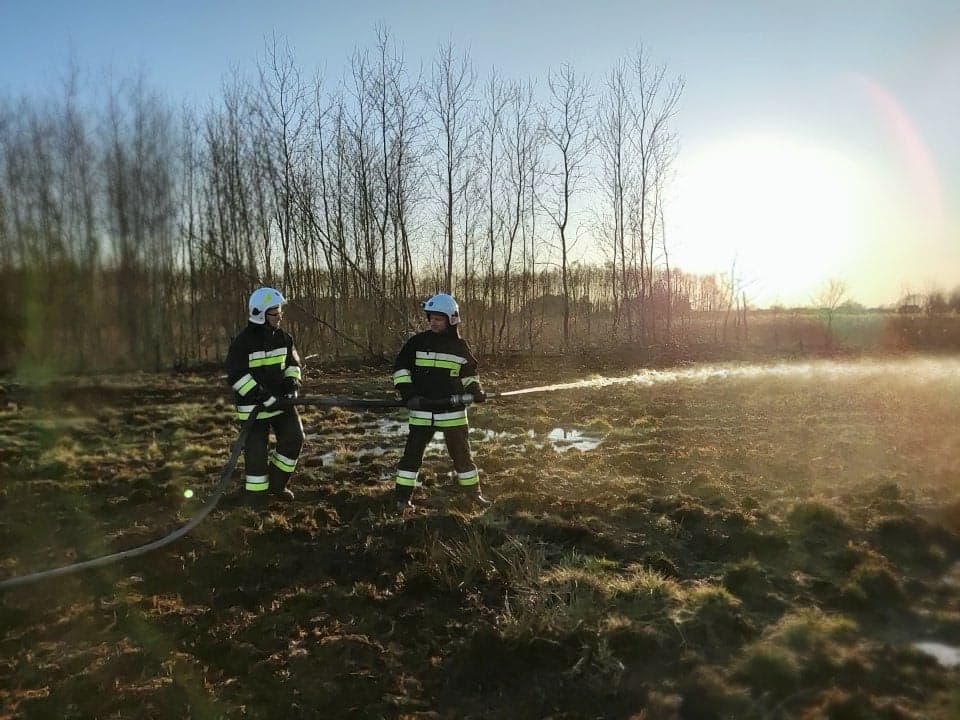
390	426
484	435
392	433
946	655
563	440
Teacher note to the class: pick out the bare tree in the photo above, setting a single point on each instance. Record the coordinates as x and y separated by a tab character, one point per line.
395	98
529	180
657	102
78	188
495	98
615	128
663	174
408	172
566	124
140	176
450	101
828	300
522	138
282	110
6	234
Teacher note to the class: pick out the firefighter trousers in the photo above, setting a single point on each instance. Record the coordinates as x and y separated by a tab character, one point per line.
457	445
268	469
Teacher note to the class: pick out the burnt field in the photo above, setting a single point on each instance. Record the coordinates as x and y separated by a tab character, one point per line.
721	541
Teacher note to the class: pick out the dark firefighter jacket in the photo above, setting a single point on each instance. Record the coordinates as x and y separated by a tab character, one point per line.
262	362
435	366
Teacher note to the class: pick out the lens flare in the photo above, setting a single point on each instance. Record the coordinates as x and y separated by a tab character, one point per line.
188	493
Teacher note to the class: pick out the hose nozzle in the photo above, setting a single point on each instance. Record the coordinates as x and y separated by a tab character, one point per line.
468	399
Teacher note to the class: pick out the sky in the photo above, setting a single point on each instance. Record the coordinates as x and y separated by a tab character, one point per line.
818	140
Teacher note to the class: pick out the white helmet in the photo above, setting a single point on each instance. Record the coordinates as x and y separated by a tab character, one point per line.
262	300
443	303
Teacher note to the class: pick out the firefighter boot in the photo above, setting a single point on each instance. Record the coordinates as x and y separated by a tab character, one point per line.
472	497
278	485
254	500
404	498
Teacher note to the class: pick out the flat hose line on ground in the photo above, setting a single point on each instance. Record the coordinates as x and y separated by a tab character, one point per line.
225	477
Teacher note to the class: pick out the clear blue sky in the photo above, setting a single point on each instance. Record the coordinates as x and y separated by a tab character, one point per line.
796	117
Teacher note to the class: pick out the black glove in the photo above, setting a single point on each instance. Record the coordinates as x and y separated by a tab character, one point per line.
479	395
291	388
415	403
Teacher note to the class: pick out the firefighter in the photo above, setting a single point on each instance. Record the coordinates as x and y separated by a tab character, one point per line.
432	366
263	367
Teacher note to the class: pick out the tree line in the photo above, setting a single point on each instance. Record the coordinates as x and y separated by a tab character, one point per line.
133	230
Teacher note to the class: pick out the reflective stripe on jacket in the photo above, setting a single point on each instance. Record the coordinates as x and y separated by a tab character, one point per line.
259	360
435	366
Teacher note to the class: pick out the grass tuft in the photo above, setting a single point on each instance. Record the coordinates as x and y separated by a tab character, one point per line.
768	670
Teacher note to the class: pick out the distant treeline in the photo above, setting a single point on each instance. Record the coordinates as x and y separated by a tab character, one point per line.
132	232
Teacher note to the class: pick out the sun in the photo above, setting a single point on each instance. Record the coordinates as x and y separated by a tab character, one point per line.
785	213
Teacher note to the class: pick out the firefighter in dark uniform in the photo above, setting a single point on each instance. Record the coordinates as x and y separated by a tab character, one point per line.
431	367
263	367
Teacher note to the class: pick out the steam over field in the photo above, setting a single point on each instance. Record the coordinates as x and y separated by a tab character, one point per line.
724	541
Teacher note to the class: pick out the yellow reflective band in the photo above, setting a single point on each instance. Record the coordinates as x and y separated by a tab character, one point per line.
269	357
425	418
470	380
283	462
453	367
247	387
450	423
468	478
445	357
243	412
454	358
242	381
450	415
257	483
263	362
292	371
406	477
267	353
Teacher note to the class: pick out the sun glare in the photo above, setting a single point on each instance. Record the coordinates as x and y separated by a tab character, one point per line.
789	213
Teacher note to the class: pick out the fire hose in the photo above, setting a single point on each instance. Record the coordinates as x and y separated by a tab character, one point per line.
224	481
226	474
445	403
